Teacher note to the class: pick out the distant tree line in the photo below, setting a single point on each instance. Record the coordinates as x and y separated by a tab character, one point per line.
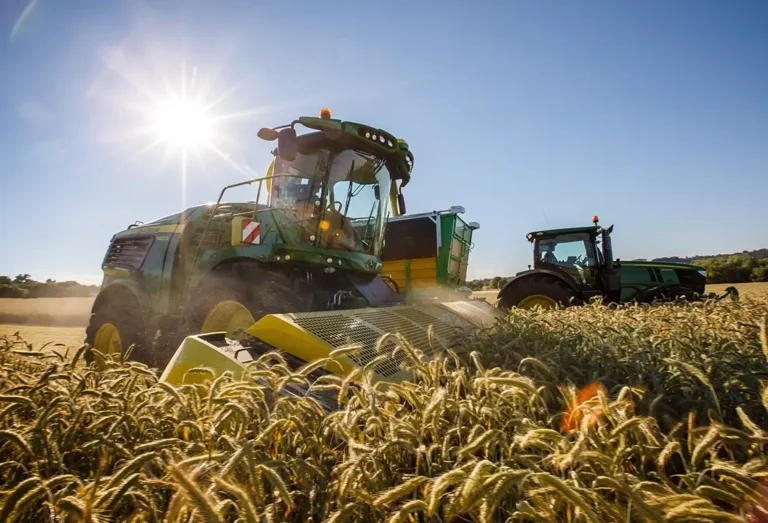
759	254
736	268
497	282
23	286
744	267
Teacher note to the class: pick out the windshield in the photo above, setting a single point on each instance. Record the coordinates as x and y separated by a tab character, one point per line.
567	250
337	200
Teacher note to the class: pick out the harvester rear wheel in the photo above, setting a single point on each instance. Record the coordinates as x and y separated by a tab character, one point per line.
537	291
113	328
233	298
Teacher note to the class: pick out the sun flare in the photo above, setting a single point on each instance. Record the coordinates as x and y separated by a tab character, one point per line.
182	114
184	123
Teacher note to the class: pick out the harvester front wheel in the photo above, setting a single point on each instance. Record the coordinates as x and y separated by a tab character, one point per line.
229	316
113	328
537	291
234	298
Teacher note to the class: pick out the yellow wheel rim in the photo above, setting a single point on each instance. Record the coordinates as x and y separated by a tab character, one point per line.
537	300
230	317
107	340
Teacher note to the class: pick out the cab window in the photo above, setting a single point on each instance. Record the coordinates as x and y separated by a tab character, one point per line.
567	251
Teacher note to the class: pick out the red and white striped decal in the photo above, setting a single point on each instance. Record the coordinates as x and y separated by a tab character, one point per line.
251	231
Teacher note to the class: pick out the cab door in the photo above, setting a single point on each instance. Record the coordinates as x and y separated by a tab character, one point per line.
572	255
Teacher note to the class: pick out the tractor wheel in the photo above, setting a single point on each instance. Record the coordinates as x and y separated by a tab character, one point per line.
537	291
113	328
234	298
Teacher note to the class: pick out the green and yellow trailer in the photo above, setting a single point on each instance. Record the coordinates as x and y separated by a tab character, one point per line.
427	254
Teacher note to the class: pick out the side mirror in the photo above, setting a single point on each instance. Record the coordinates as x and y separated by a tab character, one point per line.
401	203
267	134
286	144
376	192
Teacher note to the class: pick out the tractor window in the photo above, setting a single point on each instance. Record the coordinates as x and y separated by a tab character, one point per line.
358	198
355	180
567	251
343	196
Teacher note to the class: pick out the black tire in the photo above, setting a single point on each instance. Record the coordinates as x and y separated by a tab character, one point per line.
126	317
262	291
537	284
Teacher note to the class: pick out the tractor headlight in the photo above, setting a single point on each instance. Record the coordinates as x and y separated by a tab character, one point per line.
378	137
703	273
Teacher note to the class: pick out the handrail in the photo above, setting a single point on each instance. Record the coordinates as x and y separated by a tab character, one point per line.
218	204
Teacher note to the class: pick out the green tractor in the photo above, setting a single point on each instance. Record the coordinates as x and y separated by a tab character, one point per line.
308	240
572	266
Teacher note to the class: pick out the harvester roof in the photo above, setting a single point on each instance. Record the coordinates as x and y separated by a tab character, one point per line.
339	134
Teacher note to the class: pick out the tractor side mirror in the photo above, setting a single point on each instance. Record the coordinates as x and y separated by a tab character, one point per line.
401	203
287	148
376	192
270	135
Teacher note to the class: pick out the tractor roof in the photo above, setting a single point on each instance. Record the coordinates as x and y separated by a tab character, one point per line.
548	233
327	130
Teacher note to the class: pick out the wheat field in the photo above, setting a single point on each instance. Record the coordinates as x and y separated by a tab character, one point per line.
588	414
74	312
50	312
69	337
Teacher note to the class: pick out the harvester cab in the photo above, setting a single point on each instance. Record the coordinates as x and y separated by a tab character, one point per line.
574	265
340	180
296	267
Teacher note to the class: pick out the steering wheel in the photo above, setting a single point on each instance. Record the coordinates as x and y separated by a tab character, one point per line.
334	204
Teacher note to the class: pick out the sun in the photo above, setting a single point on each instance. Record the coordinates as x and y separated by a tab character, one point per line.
184	123
182	113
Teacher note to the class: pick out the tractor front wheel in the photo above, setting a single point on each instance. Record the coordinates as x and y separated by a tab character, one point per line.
113	328
541	291
233	298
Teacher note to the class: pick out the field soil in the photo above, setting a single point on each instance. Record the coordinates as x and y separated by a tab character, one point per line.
51	312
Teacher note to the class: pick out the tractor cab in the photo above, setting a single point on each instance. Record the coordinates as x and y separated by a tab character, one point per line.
581	254
335	187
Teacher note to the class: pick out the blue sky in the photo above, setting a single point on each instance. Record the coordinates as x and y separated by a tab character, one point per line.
652	115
